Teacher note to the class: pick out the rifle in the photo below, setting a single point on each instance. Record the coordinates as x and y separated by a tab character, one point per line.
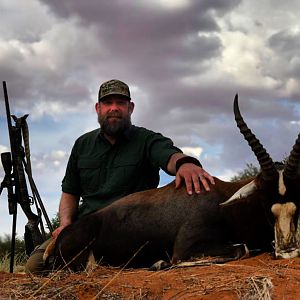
15	166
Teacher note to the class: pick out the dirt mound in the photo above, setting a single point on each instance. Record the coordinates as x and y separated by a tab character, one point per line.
259	277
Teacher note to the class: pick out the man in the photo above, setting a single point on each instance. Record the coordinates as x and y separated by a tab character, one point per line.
116	160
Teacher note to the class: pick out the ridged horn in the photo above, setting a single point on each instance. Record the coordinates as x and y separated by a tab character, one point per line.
291	169
265	161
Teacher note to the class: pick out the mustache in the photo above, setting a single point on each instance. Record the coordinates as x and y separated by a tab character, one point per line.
113	115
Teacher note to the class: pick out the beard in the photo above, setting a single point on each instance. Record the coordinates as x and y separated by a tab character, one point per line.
116	127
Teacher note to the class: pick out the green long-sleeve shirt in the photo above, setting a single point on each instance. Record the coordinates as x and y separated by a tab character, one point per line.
101	173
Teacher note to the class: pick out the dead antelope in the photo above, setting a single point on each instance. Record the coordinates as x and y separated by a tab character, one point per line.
166	223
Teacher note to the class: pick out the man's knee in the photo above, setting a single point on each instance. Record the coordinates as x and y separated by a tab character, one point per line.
35	263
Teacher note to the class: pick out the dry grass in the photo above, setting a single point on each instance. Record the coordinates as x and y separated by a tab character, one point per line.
262	279
18	263
255	288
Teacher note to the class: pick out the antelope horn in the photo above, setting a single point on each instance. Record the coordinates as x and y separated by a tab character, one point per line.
293	161
265	161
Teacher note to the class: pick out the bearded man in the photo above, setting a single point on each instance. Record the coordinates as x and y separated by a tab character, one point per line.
118	159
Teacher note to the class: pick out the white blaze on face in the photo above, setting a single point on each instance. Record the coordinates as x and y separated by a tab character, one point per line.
281	185
286	244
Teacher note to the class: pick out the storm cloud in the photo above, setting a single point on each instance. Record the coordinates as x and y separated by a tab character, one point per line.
184	61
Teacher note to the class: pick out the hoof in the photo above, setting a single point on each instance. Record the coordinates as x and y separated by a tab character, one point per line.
160	265
286	254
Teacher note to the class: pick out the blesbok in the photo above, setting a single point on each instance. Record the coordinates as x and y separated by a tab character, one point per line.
166	223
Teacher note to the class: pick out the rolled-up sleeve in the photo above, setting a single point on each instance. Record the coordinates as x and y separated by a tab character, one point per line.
160	149
71	180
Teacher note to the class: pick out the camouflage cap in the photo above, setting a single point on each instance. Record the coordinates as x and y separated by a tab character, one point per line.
113	87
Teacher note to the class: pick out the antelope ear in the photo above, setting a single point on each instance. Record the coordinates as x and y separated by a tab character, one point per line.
49	250
243	192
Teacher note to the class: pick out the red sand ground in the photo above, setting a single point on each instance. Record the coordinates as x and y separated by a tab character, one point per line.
258	277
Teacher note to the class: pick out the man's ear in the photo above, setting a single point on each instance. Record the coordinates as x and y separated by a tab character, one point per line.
131	107
97	106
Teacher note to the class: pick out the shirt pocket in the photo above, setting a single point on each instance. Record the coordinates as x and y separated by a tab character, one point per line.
126	171
90	174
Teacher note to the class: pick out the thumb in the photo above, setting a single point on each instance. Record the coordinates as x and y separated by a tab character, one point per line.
177	181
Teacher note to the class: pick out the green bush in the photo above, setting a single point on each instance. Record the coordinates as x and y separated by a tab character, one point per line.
250	171
5	243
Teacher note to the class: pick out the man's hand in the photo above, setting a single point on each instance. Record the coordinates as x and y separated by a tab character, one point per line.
68	207
193	176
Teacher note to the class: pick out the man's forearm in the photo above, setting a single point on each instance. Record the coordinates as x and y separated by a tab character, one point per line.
68	208
171	167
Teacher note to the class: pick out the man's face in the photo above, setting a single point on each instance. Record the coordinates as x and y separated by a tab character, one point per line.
114	114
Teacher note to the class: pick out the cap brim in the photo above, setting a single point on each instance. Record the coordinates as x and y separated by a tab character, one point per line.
113	93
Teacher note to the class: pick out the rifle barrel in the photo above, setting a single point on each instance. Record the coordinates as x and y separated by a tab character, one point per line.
7	108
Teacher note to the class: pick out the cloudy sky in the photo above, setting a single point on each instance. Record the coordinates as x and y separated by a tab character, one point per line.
184	61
